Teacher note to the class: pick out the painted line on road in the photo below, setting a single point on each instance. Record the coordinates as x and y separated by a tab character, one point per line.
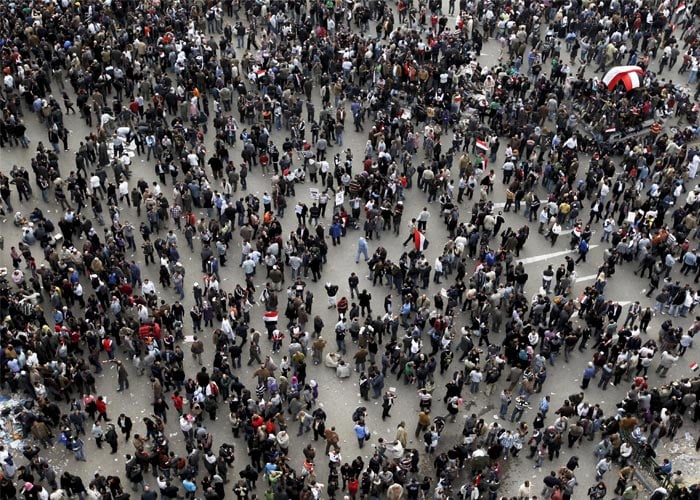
569	231
547	256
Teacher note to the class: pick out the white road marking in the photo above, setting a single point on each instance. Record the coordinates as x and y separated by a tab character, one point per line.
547	256
569	231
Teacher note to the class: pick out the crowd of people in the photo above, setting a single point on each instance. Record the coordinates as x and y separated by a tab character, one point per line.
190	86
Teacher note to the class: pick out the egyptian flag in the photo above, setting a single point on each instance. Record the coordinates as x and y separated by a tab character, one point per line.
482	145
270	316
419	240
679	9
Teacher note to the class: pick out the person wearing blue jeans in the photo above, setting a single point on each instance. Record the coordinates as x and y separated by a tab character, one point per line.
340	341
362	250
505	403
361	433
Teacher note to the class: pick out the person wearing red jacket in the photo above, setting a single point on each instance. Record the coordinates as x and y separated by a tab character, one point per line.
178	402
353	486
101	406
108	347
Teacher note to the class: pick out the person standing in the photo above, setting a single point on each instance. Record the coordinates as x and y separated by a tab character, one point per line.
603	466
588	374
361	433
630	493
519	409
125	425
190	486
111	438
475	378
624	476
423	421
362	250
665	363
353	283
606	375
554	232
365	301
97	433
582	250
387	403
78	448
101	407
332	439
645	318
632	314
422	219
197	347
254	352
505	403
122	376
331	291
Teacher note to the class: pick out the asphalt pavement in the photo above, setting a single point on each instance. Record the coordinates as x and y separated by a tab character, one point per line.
340	397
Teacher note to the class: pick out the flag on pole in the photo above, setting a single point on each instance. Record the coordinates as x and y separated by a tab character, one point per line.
482	145
419	240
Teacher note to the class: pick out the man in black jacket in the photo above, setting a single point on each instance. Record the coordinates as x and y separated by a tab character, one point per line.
125	424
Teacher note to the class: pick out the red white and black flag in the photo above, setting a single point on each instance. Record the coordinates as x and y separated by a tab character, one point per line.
419	240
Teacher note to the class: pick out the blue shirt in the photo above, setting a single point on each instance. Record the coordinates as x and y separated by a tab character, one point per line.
58	317
336	230
189	485
135	272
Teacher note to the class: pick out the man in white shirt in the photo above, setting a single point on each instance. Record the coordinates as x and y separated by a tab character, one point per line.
147	287
124	191
96	185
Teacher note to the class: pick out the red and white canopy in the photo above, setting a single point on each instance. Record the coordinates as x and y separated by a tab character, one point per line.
630	76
